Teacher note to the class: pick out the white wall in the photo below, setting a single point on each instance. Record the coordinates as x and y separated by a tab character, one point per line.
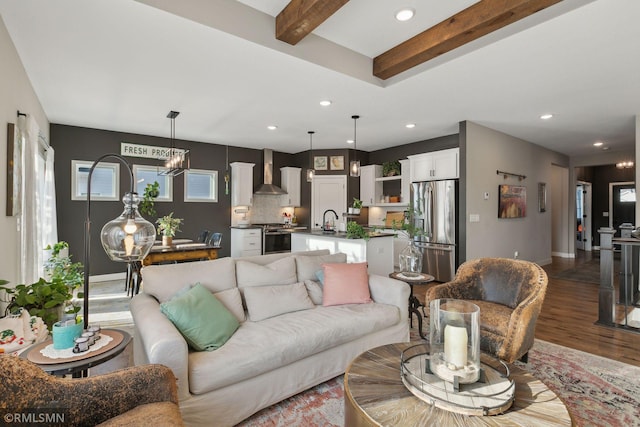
17	94
487	151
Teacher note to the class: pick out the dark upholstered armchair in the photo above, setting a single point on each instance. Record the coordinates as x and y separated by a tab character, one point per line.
510	295
142	395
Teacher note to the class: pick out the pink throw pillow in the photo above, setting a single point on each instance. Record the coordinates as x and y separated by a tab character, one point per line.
345	284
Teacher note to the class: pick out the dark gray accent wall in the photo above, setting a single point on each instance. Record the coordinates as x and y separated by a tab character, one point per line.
78	143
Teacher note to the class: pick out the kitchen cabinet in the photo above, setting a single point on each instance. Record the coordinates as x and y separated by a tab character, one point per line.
370	189
290	182
434	165
246	242
242	184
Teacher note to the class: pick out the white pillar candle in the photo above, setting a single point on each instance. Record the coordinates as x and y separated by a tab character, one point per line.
455	345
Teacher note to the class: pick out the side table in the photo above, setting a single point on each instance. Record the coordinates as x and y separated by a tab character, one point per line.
79	368
414	303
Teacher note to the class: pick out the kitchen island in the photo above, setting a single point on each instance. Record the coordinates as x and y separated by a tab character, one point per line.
377	251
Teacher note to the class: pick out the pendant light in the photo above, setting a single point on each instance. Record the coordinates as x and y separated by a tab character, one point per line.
177	159
354	165
310	172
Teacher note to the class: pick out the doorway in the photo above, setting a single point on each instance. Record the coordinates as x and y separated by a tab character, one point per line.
622	204
583	216
328	192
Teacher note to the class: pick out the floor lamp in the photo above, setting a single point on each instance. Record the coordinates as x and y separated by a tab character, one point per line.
127	238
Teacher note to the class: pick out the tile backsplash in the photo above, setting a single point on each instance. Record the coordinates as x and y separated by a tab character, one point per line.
267	209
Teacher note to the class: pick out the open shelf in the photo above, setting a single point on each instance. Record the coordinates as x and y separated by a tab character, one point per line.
389	178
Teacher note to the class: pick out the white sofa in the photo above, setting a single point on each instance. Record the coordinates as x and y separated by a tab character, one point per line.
264	361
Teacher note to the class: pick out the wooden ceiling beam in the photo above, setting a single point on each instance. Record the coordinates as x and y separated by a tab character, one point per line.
301	17
470	24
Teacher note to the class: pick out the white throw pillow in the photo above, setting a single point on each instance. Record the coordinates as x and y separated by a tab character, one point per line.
232	300
269	301
314	290
280	272
308	265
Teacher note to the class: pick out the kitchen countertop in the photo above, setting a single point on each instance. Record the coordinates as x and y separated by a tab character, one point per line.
339	234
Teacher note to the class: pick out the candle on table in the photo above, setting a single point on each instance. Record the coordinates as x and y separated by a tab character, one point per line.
455	345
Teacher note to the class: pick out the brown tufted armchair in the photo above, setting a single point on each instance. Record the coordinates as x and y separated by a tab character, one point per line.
142	395
510	295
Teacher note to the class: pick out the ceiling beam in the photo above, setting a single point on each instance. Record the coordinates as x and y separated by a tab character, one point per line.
301	17
470	24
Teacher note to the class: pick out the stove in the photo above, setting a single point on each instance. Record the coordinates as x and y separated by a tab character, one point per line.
276	238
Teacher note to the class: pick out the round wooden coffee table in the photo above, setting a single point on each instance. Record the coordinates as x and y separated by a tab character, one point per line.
374	395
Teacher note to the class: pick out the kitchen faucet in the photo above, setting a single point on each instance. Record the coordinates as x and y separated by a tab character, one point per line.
325	225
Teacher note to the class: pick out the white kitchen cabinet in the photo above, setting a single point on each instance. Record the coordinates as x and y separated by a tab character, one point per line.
370	189
242	184
434	165
405	182
290	182
246	242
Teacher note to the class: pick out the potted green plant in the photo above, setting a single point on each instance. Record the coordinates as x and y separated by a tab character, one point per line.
391	168
59	267
151	192
356	231
355	207
45	299
168	226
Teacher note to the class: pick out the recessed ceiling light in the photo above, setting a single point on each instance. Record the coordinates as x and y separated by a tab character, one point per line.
546	116
598	144
605	148
272	127
349	141
410	125
405	14
325	103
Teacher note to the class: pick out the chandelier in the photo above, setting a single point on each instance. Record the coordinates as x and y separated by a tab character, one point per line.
177	159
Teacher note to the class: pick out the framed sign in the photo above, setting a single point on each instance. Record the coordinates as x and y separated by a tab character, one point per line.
105	181
512	201
320	163
336	163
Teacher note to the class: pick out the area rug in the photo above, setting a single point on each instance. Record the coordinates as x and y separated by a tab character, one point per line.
598	392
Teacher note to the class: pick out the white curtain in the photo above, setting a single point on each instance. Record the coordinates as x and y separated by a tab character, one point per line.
49	218
32	219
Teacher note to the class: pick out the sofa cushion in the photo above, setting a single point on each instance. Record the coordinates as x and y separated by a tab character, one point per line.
493	317
307	266
345	284
232	300
280	272
259	347
314	289
269	301
203	320
163	281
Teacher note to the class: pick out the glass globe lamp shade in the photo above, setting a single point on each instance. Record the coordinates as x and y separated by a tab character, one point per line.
310	174
354	168
129	237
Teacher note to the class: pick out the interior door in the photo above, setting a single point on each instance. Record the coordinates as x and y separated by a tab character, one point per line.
328	192
583	216
622	203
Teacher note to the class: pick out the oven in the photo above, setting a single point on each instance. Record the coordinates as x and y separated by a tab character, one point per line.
276	242
276	238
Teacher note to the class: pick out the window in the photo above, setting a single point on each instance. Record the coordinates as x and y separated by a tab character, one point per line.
627	195
144	175
200	185
105	180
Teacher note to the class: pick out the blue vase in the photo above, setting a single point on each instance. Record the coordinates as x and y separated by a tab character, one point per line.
64	336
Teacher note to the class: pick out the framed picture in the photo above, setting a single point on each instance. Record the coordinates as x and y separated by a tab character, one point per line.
320	163
542	197
105	181
14	170
512	201
336	163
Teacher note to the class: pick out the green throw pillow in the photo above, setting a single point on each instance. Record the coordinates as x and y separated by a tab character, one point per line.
204	322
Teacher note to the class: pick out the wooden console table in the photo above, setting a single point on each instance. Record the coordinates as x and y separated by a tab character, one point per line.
174	253
374	395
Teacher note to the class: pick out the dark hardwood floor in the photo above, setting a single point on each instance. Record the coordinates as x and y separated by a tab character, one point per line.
569	313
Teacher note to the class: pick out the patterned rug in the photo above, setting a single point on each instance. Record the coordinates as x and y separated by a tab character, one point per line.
598	392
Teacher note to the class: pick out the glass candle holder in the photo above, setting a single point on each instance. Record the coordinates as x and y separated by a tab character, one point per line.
455	340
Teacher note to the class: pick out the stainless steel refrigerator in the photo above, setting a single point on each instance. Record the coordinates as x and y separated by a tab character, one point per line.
434	204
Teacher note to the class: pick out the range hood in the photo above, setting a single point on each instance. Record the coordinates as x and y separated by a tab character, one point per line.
267	188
